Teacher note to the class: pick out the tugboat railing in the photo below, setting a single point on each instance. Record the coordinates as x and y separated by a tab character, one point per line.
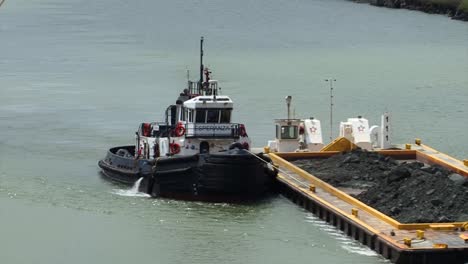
194	88
212	130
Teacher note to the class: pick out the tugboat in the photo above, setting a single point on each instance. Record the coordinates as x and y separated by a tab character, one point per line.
197	153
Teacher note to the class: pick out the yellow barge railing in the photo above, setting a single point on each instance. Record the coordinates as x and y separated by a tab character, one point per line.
420	153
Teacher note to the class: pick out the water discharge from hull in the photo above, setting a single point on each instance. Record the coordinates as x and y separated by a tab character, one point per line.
133	192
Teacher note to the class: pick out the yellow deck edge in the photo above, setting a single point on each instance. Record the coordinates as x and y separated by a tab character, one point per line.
460	169
337	210
279	159
332	190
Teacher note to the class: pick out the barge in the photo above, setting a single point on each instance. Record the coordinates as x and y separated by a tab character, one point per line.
402	243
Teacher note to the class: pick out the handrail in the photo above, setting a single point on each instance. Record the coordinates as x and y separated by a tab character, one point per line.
216	130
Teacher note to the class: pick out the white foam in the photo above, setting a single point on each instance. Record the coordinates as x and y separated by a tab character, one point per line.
361	250
345	242
133	192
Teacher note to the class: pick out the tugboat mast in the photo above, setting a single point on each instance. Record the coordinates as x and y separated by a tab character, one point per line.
288	104
201	64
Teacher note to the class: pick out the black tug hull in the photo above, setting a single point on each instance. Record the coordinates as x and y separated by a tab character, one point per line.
234	175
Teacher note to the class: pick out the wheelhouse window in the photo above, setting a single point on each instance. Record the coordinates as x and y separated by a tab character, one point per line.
182	114
288	132
212	116
225	116
200	116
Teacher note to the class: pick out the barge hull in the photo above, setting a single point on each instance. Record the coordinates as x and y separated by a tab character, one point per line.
368	237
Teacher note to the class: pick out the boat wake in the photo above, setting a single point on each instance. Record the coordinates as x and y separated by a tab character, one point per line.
133	192
345	242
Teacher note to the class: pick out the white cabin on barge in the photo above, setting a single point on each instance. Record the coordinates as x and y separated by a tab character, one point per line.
302	135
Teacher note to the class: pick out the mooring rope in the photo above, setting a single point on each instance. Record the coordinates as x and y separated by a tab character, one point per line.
291	177
270	166
255	155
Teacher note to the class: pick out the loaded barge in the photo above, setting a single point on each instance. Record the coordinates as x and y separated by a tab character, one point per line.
402	243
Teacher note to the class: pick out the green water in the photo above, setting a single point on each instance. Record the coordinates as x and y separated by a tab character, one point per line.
76	77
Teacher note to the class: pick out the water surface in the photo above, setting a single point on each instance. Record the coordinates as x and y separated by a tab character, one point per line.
77	77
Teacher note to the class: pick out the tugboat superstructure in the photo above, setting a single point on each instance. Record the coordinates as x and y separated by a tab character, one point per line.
197	123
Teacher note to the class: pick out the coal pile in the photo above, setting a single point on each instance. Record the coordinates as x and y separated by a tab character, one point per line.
410	192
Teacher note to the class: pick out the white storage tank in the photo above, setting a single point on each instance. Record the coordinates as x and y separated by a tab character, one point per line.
313	134
357	131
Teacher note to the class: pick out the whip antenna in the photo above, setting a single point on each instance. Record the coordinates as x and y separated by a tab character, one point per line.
331	81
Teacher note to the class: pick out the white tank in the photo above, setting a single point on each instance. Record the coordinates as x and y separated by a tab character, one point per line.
360	132
313	134
375	134
346	130
357	131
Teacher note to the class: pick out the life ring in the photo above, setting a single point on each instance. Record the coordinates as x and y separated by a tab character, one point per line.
179	130
175	148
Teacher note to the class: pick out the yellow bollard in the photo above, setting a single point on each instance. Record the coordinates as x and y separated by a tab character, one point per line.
408	146
417	141
465	226
266	150
465	162
420	234
407	241
355	212
464	237
440	245
312	188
